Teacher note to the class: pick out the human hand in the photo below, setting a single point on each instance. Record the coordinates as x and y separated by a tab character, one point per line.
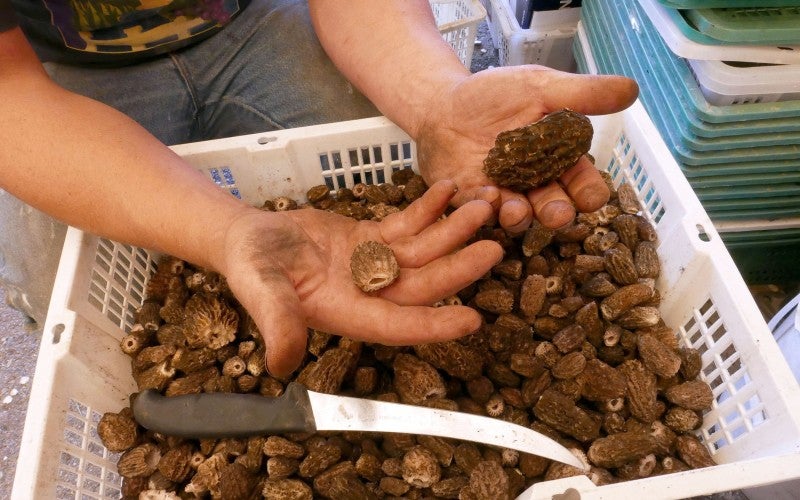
291	270
458	132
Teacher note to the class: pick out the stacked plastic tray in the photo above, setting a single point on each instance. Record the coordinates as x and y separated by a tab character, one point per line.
741	158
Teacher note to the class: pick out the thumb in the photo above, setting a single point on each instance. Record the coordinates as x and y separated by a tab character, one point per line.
276	309
587	94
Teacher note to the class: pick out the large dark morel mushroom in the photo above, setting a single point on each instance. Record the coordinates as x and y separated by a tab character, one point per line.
539	153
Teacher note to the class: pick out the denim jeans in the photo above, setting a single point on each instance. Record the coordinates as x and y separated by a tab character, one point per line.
264	71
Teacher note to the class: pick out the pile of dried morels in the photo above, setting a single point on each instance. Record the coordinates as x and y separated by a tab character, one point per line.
573	346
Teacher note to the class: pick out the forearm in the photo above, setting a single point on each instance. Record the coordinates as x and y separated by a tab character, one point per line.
92	167
392	51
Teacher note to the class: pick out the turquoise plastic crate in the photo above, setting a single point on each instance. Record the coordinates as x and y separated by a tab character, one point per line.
755	191
609	34
716	4
684	22
738	239
735	191
671	26
738	119
789	205
761	173
755	179
748	208
756	202
700	137
757	26
744	214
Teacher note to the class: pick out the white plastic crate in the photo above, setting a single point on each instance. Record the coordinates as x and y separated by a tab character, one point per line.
753	429
458	22
724	84
547	42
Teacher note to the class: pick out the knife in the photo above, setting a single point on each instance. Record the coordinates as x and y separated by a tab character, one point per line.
219	415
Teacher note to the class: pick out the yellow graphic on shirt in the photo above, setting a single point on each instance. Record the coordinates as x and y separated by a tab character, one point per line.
124	26
92	14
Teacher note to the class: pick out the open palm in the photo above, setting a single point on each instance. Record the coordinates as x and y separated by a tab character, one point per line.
291	270
458	133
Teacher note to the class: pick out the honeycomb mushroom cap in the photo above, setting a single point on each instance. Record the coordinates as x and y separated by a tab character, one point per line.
117	432
536	154
373	266
209	321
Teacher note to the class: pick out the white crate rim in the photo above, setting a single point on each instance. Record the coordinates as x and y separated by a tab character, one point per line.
728	84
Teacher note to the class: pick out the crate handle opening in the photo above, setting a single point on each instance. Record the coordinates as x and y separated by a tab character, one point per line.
57	331
266	139
702	234
569	494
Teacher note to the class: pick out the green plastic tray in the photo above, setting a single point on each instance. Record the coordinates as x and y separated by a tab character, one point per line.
755	191
685	22
728	159
752	117
717	215
752	238
735	181
673	77
739	153
699	136
721	4
742	215
791	203
701	150
754	26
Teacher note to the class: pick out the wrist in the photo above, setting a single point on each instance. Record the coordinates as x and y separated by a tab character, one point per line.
236	234
429	102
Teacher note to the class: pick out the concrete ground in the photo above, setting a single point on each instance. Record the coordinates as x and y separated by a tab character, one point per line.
18	348
19	342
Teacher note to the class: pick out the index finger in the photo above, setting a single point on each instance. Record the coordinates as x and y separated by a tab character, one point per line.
380	320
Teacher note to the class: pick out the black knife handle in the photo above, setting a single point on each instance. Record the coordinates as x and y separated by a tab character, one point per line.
220	415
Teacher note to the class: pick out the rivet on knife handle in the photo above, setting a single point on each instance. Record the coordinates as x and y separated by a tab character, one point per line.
219	415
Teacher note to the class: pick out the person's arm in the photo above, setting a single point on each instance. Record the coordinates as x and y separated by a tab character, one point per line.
393	52
92	167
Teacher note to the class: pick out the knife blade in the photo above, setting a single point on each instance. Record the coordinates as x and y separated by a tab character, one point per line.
219	415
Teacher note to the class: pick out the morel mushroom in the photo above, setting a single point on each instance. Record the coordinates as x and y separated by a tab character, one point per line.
536	154
209	322
373	266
